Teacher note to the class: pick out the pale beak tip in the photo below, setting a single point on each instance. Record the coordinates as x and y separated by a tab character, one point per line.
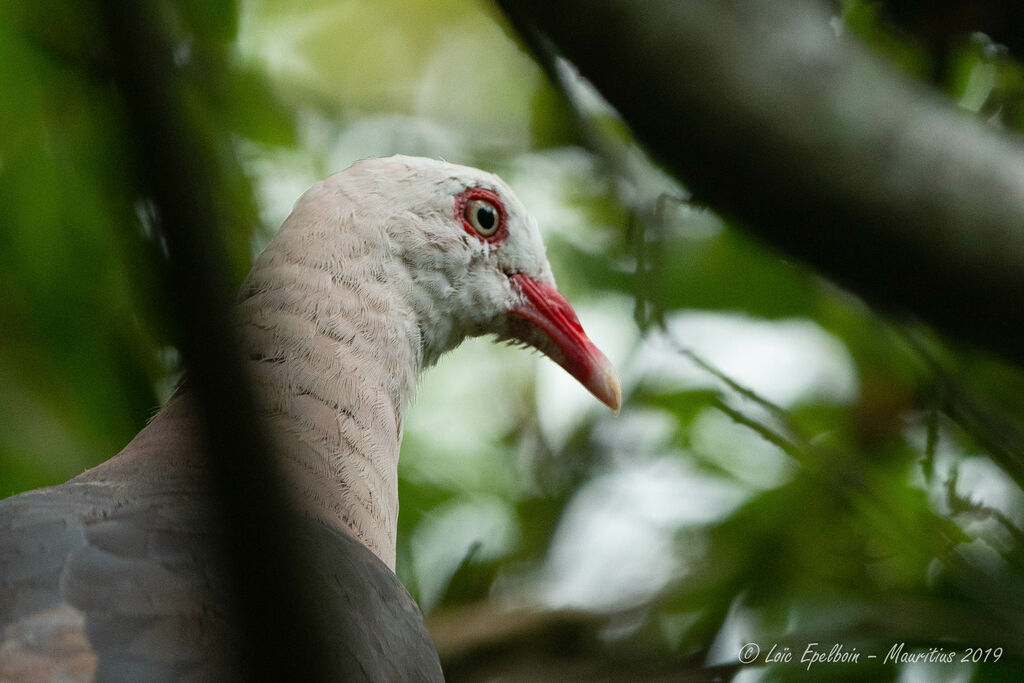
607	388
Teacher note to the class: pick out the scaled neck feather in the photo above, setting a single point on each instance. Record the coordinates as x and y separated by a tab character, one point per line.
336	342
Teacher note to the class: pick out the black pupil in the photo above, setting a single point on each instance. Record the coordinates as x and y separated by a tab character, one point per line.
485	217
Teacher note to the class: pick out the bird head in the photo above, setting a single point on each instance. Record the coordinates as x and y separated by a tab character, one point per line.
475	262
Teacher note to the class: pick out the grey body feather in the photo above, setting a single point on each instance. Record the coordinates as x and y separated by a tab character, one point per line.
123	582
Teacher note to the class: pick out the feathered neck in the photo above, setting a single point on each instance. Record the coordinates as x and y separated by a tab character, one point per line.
335	344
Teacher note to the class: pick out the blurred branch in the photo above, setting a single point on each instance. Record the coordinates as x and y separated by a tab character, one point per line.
931	443
761	430
483	642
743	391
1000	434
174	166
818	147
964	505
941	22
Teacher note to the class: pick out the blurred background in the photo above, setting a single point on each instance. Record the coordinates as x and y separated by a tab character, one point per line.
788	467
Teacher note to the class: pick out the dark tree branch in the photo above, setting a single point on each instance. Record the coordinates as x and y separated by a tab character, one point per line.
818	147
483	642
940	23
174	173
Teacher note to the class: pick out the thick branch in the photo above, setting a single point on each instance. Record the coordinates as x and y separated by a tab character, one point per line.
276	612
817	146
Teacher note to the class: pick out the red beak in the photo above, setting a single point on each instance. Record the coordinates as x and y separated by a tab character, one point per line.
551	314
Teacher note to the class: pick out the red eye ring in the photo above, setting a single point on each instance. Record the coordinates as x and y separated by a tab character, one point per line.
477	198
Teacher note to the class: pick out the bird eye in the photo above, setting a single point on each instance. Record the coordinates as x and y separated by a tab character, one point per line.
483	216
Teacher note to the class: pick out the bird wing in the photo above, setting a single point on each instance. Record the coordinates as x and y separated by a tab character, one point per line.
98	583
108	587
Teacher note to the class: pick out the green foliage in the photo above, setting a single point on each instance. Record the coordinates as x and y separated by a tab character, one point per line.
866	517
